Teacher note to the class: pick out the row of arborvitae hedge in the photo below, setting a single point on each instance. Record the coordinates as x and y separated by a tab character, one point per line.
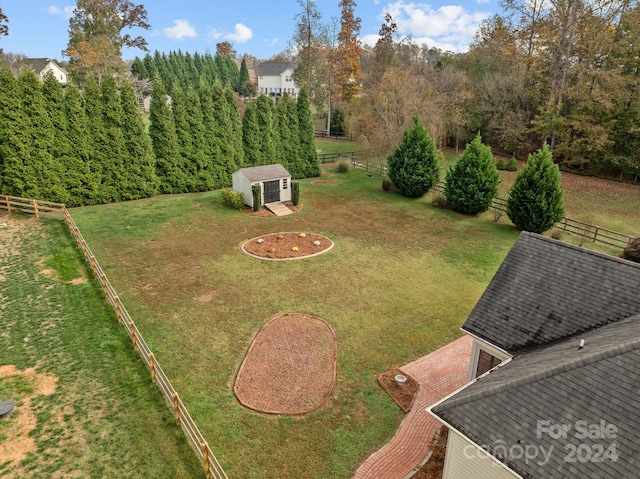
535	201
92	146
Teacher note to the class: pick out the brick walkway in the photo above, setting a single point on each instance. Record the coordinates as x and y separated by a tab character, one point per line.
439	374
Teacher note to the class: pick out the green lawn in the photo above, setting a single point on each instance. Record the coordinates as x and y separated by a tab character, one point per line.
400	281
105	418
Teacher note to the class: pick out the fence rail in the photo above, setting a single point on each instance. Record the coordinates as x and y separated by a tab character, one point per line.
183	418
35	207
334	136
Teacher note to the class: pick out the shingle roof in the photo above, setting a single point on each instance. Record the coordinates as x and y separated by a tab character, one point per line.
561	384
267	172
273	68
546	290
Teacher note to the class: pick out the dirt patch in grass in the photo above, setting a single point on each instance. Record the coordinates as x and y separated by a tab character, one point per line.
291	245
22	420
290	367
403	395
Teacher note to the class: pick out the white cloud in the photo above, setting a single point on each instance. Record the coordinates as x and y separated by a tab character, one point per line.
274	41
180	29
449	27
66	12
241	34
213	34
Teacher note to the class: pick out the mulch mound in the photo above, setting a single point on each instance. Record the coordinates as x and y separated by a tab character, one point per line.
281	245
290	367
434	467
403	395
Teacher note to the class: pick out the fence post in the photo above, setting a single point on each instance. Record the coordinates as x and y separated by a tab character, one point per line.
104	285
132	332
205	458
94	266
564	227
118	308
8	201
35	208
176	408
595	234
152	367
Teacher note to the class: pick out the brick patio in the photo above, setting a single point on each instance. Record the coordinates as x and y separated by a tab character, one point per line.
439	374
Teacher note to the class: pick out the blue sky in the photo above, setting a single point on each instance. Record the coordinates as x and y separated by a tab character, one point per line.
39	28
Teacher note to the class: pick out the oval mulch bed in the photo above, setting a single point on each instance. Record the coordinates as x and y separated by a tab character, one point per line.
290	367
279	246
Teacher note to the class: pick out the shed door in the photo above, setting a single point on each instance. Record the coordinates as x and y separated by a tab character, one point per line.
271	191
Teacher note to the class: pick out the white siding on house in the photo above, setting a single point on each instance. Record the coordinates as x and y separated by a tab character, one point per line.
58	73
278	84
464	460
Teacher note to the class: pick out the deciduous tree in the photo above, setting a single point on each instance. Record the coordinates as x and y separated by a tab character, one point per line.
348	76
4	24
96	35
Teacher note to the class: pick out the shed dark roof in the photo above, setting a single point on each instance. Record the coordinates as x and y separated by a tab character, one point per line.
267	172
547	290
273	68
561	384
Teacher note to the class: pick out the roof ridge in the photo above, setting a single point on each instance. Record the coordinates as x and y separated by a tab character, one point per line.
622	348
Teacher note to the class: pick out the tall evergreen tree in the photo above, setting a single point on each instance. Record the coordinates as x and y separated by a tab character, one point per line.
236	130
308	152
413	165
73	169
86	184
40	136
16	175
206	137
225	112
141	180
169	163
267	151
97	140
288	140
186	137
472	182
251	135
243	76
114	172
536	199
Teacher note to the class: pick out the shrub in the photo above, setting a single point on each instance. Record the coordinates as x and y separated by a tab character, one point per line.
497	214
256	191
557	234
343	165
473	181
501	165
295	193
233	199
413	165
536	200
632	250
512	165
338	121
386	184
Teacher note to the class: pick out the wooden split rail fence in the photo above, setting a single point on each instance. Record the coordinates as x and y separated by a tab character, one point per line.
212	468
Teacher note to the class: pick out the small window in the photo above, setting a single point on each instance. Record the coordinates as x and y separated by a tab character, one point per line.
284	183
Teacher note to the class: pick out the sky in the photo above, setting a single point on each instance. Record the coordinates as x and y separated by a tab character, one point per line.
39	28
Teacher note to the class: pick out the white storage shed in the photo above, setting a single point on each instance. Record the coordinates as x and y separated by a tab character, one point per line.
274	180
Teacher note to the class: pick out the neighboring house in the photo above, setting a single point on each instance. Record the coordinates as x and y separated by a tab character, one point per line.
42	66
274	180
560	326
276	79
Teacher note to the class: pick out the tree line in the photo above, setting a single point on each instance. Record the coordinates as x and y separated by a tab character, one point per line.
91	146
561	72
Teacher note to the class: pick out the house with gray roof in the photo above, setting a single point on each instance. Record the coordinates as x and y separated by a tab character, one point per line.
276	79
555	369
41	66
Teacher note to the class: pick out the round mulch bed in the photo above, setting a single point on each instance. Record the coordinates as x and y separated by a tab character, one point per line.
284	246
290	367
